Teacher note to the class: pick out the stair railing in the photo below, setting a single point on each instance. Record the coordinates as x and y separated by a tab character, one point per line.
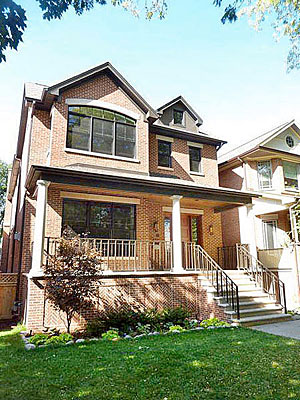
261	275
195	258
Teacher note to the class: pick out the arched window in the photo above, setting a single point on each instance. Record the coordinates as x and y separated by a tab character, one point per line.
101	131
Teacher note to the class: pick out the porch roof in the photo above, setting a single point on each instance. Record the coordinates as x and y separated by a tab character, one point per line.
119	180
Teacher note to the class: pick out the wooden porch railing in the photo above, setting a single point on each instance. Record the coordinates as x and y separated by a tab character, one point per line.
122	254
195	258
266	279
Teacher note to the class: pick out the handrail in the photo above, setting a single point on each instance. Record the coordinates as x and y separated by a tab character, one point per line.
266	279
122	254
197	259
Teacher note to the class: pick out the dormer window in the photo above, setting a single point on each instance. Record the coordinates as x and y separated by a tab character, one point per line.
178	117
97	130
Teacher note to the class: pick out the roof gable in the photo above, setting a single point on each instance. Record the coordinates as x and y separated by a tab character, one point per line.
180	99
279	142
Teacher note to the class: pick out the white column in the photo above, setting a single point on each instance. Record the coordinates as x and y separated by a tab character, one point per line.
176	234
247	228
39	228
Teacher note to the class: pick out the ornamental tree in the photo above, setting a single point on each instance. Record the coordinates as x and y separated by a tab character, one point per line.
70	276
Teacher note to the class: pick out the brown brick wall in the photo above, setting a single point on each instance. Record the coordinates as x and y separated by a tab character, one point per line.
181	163
40	138
131	292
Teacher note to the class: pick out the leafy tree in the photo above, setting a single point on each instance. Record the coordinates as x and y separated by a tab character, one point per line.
3	188
70	276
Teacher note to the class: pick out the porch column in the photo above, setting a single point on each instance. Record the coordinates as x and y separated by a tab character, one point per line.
39	228
176	234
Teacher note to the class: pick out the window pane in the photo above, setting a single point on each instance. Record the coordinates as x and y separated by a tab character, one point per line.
78	132
164	154
123	222
195	159
290	171
109	115
178	117
264	171
102	136
74	216
269	234
125	141
100	220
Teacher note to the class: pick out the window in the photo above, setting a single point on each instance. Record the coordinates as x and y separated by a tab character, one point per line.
264	170
178	117
101	131
290	172
269	234
164	154
100	220
290	141
195	159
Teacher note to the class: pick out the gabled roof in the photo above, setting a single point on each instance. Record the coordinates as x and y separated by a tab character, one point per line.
105	67
256	142
181	99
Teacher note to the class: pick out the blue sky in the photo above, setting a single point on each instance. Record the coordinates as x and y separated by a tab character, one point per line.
233	76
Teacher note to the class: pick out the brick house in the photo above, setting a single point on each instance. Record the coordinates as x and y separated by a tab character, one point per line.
142	184
268	165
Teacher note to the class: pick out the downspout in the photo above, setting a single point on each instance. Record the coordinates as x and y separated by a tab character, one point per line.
295	236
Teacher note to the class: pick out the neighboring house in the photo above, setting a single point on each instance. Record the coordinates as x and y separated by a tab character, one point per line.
93	156
268	165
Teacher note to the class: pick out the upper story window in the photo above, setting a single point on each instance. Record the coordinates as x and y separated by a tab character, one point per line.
264	171
290	142
101	131
290	172
195	159
178	117
164	154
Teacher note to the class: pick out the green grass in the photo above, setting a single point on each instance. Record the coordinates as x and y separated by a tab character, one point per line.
212	364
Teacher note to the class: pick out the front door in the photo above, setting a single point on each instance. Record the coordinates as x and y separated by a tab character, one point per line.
185	227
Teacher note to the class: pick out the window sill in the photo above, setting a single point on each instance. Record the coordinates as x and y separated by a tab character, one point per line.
101	155
197	173
165	168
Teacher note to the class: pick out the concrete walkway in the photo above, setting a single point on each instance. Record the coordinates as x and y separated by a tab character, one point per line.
289	329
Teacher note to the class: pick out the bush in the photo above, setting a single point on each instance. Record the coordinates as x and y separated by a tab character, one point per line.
111	334
44	338
213	322
176	328
127	321
39	339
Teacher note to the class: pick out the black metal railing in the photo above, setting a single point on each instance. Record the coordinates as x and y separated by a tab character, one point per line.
263	277
195	258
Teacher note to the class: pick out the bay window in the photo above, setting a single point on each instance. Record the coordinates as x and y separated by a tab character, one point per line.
290	172
101	131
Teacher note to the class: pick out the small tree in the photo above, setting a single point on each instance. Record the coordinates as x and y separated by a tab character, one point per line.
70	275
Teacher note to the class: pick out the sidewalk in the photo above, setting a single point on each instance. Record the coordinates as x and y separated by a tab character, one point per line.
289	329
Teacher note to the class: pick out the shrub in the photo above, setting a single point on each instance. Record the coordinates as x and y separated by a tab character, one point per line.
111	334
39	339
46	338
177	328
213	322
176	315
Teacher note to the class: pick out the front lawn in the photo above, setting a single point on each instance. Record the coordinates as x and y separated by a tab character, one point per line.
211	364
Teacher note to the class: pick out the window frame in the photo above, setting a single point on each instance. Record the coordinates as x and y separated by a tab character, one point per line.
170	155
284	177
88	205
199	149
270	186
183	117
91	133
274	232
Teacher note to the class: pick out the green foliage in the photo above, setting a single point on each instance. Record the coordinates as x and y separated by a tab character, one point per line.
70	274
213	322
127	321
48	339
112	334
176	328
3	176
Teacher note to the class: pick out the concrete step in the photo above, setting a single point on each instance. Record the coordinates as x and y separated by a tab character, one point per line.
252	312
262	319
256	304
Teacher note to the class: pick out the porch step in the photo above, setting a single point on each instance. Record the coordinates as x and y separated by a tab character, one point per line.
262	319
251	312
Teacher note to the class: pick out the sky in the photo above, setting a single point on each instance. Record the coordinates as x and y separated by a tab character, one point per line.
233	76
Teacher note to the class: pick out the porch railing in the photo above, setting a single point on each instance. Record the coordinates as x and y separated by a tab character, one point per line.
264	278
122	254
195	258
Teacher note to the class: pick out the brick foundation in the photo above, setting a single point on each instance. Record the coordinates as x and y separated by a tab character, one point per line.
138	292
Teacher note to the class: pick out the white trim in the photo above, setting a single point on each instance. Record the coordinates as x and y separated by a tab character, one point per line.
165	168
102	155
193	211
99	197
197	173
164	138
102	104
192	144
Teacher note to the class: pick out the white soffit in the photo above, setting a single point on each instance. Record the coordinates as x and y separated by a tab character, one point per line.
99	197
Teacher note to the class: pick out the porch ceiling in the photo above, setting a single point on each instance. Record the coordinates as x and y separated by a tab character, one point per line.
161	189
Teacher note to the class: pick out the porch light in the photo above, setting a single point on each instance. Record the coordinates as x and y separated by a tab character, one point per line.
211	229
